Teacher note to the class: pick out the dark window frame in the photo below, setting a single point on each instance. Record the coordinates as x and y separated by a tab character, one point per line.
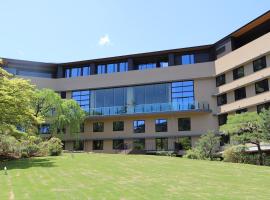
138	128
220	80
238	73
98	127
97	145
118	144
161	125
240	93
263	84
222	99
118	126
259	64
222	119
184	124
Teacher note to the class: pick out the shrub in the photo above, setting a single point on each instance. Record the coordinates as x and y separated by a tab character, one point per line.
9	147
238	154
192	154
55	146
30	146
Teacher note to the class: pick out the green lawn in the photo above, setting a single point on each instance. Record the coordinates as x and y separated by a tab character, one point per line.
104	176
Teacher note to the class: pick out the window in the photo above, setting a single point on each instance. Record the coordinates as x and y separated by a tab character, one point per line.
139	126
45	129
161	144
222	119
111	68
238	73
97	144
63	95
101	69
123	67
220	50
161	125
118	144
147	66
259	64
187	59
82	97
184	124
77	71
263	106
221	99
241	111
224	139
261	86
139	144
78	145
183	143
240	93
183	93
163	64
98	127
220	80
118	126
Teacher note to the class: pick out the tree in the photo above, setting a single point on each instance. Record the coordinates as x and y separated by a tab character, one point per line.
59	113
249	127
207	145
15	105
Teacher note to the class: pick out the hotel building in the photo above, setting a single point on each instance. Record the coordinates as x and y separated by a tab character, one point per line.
162	100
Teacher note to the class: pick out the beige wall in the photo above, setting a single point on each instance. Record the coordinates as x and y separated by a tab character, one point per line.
136	77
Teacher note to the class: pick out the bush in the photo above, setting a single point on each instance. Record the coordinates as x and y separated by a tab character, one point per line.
238	154
192	154
30	146
165	153
55	146
9	147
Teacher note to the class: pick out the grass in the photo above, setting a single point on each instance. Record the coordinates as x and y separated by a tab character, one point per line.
103	176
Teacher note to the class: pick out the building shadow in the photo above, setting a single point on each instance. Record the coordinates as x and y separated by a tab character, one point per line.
27	163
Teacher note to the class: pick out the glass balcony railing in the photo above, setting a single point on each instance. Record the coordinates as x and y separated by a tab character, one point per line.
149	108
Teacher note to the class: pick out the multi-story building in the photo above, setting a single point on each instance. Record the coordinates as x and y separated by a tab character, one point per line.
161	100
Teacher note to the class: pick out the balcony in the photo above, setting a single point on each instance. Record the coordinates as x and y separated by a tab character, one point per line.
150	108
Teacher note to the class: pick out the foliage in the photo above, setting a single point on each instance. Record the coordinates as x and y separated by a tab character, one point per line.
9	147
249	127
192	154
55	146
59	113
238	154
15	105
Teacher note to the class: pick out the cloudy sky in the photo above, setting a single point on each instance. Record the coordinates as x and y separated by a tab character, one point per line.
69	30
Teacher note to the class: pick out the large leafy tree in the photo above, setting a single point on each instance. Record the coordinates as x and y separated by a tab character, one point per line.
15	105
59	113
249	127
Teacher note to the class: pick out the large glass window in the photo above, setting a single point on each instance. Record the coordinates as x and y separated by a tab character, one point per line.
187	59
97	144
111	68
147	66
139	144
161	144
183	92
139	126
118	144
123	67
101	69
240	93
221	99
259	64
238	73
184	124
118	126
98	126
161	125
77	71
220	80
82	97
261	86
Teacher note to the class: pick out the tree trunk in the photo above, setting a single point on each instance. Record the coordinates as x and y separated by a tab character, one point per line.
260	154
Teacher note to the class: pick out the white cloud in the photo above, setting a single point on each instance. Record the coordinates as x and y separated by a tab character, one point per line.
104	40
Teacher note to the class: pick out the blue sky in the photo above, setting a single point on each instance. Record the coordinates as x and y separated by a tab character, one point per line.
69	30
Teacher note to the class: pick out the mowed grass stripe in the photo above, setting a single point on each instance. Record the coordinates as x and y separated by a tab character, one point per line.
128	177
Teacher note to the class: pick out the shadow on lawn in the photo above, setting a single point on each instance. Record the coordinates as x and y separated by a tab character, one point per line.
27	163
